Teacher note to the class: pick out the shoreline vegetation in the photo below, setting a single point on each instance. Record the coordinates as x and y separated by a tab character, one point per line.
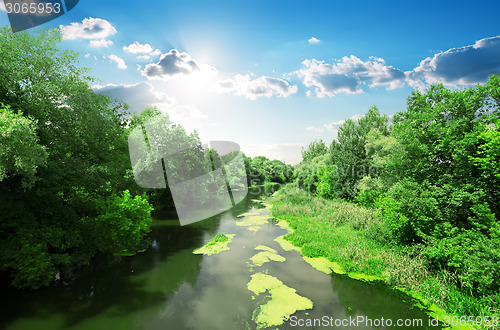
345	234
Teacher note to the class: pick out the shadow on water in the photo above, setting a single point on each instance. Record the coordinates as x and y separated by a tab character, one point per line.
114	285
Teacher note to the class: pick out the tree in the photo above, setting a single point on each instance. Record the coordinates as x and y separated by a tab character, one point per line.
315	149
348	152
78	143
439	169
20	152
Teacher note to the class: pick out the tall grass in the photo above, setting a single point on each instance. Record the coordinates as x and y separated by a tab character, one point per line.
357	238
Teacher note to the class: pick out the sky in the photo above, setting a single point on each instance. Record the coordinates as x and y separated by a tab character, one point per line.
275	75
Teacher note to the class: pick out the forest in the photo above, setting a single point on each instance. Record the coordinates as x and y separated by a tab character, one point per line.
429	175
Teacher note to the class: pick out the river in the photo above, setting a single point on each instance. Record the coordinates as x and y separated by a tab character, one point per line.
169	287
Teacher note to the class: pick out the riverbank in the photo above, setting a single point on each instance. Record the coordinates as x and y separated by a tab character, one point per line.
352	236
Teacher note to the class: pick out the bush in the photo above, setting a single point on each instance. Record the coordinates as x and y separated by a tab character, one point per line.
123	224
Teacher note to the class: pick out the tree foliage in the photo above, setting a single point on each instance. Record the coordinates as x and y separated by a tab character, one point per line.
64	148
433	175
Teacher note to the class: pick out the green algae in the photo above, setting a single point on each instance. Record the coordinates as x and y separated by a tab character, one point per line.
268	254
262	257
254	228
364	277
432	309
249	214
283	224
324	265
265	248
253	222
284	301
216	245
286	245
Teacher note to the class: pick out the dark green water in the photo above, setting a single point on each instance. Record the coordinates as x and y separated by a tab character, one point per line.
168	287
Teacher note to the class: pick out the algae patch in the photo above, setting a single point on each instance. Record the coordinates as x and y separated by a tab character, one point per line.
283	224
253	222
267	254
434	310
216	245
248	214
324	265
364	277
284	300
265	248
286	245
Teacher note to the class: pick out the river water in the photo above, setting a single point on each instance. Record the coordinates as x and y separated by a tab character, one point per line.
169	287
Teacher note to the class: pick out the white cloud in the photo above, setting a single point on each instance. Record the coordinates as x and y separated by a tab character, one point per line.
119	61
100	43
260	87
156	53
89	28
148	56
315	129
2	6
136	48
334	126
348	75
180	113
173	64
313	40
137	96
87	55
467	65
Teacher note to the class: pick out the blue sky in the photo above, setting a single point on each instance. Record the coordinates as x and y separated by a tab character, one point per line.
275	75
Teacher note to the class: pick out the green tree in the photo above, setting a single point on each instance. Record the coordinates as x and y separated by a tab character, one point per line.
78	141
314	149
20	152
351	162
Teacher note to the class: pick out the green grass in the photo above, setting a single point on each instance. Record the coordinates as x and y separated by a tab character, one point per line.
357	239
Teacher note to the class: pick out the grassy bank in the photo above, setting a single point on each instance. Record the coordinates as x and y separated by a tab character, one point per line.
355	237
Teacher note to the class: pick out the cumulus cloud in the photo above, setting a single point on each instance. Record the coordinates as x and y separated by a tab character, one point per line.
137	96
100	43
89	28
349	75
313	40
136	48
172	64
156	53
334	126
264	86
467	65
315	129
119	61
